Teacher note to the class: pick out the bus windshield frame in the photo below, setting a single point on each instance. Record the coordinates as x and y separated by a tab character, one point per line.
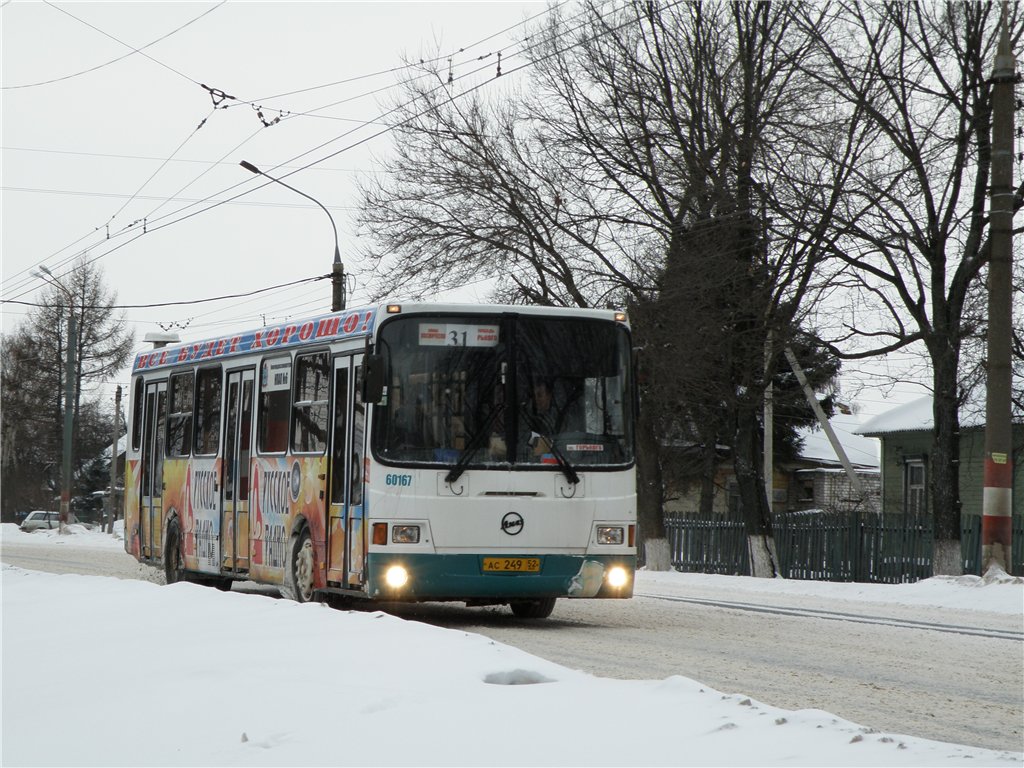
509	391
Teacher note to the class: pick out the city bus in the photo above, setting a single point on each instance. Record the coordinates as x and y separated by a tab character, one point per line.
400	452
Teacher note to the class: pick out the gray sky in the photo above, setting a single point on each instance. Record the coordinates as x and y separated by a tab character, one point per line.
119	150
98	139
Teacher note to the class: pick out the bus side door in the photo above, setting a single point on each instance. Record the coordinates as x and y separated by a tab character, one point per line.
345	529
152	484
237	459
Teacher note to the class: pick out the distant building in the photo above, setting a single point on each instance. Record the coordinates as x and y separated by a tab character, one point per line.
905	434
814	480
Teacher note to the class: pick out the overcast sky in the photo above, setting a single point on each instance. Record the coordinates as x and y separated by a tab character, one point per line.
122	154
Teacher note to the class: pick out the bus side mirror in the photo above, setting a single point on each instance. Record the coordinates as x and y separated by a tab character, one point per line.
373	379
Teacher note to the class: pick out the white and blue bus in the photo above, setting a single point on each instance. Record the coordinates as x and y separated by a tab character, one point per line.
402	452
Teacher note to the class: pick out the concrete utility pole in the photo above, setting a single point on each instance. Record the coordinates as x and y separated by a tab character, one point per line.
997	507
823	421
69	396
769	426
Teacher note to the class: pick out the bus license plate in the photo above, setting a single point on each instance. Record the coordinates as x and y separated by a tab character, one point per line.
511	564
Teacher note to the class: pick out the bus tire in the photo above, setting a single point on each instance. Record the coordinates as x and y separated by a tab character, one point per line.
173	570
533	609
298	576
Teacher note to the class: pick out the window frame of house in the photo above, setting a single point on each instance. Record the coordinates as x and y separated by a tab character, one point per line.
915	489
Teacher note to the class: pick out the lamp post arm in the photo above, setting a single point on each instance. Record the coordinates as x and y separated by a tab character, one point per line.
253	169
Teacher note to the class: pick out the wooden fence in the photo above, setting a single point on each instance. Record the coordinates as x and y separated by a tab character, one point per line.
888	548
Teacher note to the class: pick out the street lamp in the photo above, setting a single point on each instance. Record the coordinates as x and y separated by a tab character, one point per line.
69	394
337	269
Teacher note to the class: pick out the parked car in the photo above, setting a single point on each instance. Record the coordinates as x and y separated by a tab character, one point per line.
41	519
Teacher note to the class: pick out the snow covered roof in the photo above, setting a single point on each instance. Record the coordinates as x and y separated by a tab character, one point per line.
862	451
917	415
909	417
122	445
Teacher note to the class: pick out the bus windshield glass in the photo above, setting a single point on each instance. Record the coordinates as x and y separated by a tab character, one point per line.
505	391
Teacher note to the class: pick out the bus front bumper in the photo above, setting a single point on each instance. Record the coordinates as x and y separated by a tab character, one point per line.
478	577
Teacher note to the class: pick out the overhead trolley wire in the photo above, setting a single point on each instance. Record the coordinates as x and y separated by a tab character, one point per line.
151	227
112	61
132	47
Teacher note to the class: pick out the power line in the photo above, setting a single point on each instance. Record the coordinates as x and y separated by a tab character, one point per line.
145	218
112	61
160	168
82	193
150	227
153	157
176	303
420	62
126	45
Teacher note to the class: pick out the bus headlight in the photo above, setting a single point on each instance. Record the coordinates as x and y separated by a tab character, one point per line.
396	577
405	534
608	534
618	576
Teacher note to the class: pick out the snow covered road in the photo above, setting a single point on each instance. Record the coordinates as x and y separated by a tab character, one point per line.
942	660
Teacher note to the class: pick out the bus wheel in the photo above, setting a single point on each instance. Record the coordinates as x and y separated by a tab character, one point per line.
298	578
173	572
533	609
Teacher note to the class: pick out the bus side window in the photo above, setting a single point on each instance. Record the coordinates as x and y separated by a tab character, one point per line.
340	423
179	416
309	414
207	429
358	430
275	396
245	442
137	400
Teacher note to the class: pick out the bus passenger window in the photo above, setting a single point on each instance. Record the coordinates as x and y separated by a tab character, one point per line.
179	416
275	392
358	432
309	414
208	411
245	442
137	400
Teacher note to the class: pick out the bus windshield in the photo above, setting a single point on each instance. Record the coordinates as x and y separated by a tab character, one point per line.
505	391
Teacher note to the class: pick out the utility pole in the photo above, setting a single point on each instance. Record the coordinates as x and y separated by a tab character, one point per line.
69	395
851	473
997	507
769	425
112	506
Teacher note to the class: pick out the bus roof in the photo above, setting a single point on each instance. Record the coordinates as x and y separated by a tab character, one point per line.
355	323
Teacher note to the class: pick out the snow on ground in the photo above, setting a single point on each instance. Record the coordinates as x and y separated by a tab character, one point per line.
200	677
76	535
995	593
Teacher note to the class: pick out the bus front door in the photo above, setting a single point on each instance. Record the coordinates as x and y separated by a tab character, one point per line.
152	481
345	529
235	488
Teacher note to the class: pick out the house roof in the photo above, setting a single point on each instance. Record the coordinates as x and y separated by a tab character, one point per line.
122	445
909	417
917	415
861	451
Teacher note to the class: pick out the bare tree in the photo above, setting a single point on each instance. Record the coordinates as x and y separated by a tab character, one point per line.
641	122
912	226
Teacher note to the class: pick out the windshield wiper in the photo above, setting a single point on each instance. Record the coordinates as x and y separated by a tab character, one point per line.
475	441
563	463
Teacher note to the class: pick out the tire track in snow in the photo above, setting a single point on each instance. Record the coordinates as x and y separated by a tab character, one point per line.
997	634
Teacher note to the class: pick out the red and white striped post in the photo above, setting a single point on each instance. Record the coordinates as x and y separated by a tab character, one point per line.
997	508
